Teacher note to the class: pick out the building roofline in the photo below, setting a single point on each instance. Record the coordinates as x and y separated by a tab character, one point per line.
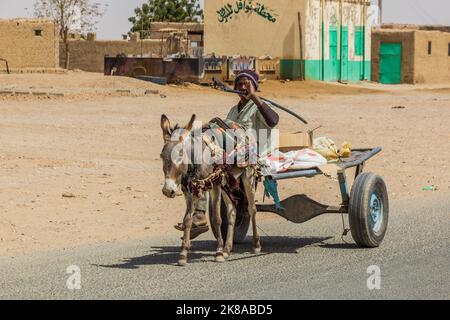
28	20
413	27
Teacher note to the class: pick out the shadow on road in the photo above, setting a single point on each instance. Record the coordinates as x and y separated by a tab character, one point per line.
351	246
168	255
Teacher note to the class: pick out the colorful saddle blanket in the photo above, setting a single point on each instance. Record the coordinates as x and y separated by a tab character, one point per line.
239	147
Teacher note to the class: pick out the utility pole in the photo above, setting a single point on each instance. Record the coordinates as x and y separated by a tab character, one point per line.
302	58
141	36
341	44
322	38
380	7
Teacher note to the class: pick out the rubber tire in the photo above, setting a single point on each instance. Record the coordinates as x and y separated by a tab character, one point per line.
242	221
359	213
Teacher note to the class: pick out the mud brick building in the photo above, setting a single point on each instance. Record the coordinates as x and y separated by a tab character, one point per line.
411	54
29	43
326	40
88	53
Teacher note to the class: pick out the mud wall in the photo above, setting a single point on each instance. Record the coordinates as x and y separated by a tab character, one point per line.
29	43
89	55
233	31
434	67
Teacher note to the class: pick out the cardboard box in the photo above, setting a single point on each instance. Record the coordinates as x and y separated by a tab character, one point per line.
295	141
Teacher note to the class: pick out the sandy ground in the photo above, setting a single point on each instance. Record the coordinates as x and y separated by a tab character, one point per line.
103	148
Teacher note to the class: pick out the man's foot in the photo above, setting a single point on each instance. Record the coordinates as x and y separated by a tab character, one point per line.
199	224
195	230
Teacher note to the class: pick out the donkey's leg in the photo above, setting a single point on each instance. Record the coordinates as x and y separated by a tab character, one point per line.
248	181
217	222
231	214
190	205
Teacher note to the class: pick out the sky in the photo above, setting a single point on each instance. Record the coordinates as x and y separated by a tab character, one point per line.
115	22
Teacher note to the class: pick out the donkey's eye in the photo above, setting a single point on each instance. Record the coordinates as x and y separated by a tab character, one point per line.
178	161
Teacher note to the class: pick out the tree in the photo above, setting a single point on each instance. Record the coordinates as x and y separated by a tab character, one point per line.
165	11
71	16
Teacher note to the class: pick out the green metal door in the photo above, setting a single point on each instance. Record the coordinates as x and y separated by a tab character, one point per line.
344	54
391	63
359	49
333	69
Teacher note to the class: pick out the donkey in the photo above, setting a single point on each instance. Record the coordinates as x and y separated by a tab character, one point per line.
179	167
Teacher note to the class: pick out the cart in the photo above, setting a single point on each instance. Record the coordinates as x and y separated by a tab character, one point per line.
367	203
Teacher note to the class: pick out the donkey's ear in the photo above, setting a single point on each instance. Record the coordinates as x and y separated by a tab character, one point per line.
165	126
190	125
188	129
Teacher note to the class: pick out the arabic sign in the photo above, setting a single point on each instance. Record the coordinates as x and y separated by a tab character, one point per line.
227	12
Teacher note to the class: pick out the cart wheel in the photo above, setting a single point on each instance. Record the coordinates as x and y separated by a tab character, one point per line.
241	225
368	210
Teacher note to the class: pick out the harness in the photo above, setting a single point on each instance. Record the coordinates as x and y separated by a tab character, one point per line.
221	176
222	173
195	186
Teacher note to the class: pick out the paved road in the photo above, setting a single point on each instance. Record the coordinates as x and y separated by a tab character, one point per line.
306	261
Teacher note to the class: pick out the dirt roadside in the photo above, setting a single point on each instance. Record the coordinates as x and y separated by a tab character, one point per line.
101	150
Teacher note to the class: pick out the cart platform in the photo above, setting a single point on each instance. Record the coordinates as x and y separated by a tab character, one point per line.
300	208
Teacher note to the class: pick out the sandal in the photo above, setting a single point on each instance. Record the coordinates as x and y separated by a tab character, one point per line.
195	230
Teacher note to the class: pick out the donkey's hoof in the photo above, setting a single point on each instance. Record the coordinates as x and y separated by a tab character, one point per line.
226	255
182	261
256	250
220	258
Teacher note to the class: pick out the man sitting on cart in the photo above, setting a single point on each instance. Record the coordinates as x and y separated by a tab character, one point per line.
250	113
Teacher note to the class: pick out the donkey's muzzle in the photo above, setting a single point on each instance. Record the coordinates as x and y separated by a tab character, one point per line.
170	188
169	193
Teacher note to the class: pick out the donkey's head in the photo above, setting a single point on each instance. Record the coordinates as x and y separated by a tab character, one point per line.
174	156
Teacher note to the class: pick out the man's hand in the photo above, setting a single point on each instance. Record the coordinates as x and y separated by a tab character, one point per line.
269	115
250	90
